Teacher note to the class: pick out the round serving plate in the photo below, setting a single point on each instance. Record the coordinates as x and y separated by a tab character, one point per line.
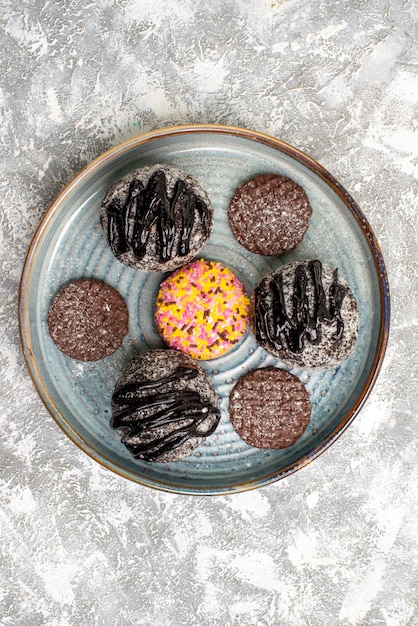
69	244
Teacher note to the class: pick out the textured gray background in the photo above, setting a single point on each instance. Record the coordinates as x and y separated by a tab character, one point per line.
335	543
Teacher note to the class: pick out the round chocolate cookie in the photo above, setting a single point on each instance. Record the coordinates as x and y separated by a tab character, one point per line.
306	315
269	408
88	320
156	218
164	405
269	214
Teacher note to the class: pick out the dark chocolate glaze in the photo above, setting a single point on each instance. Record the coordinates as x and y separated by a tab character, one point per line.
305	322
140	413
150	205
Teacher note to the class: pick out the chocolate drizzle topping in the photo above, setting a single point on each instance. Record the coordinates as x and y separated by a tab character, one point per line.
304	323
174	416
148	206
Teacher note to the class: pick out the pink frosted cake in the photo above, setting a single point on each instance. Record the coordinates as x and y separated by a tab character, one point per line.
202	310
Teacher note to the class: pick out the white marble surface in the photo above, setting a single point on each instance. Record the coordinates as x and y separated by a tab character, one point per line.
334	544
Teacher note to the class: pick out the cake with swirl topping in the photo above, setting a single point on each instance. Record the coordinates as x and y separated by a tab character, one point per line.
164	405
156	218
305	314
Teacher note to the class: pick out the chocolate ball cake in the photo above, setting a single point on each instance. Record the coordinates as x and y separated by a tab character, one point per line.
156	218
269	214
306	315
164	405
88	320
269	408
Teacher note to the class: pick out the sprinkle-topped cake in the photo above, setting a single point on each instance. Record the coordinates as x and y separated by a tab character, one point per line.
202	309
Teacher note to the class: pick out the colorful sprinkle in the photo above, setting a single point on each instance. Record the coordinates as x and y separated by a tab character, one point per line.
201	321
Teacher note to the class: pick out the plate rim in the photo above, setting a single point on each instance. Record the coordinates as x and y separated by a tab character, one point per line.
193	129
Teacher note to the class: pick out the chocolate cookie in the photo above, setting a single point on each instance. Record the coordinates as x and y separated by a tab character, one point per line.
156	218
269	408
164	405
88	320
305	314
269	214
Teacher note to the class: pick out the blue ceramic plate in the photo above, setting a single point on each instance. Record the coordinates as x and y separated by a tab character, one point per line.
69	244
